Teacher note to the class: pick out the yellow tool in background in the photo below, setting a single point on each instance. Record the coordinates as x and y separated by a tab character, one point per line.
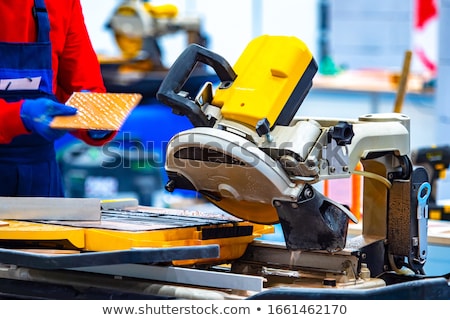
138	25
436	160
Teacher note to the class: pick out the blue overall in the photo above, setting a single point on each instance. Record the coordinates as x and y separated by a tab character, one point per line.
28	165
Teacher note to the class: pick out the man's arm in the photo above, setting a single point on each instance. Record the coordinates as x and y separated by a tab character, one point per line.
79	69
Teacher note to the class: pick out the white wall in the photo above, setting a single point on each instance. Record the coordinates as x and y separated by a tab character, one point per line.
96	15
230	24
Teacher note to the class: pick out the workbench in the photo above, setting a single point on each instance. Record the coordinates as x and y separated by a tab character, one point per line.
374	83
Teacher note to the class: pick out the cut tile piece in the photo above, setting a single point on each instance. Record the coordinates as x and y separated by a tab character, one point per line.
98	111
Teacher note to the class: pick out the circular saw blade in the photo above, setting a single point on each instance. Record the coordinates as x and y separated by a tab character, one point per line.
230	171
250	211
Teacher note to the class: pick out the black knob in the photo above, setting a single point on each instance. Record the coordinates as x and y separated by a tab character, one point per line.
262	127
342	133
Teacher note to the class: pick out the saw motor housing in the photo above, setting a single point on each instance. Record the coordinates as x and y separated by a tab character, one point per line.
250	155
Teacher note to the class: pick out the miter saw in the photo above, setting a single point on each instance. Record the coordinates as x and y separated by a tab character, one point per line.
139	28
251	156
138	25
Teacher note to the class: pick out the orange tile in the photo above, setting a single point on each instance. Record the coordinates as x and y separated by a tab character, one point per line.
98	111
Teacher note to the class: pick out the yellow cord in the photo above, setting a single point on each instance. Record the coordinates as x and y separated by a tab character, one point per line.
404	271
372	175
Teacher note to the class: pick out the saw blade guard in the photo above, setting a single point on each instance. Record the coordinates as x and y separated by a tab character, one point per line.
230	171
314	222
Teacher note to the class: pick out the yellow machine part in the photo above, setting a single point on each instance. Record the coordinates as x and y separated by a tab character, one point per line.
230	248
43	235
129	46
39	233
167	11
440	213
132	46
266	81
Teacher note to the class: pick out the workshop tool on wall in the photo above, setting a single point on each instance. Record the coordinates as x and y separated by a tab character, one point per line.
436	160
249	155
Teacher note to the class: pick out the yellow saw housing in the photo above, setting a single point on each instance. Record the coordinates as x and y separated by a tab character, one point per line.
271	85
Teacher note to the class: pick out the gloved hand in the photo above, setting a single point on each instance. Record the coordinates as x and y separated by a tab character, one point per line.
99	134
38	114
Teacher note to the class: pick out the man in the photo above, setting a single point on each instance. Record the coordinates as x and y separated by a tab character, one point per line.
46	55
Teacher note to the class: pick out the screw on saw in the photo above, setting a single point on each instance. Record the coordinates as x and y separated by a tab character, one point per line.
263	128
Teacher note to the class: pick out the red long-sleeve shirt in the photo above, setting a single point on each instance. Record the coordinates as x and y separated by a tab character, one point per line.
74	62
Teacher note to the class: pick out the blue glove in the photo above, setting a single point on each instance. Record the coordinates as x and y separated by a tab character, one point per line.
99	134
38	114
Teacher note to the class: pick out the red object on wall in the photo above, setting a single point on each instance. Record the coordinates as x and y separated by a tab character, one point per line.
425	34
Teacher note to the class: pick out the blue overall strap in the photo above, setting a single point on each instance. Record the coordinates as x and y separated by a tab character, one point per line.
42	23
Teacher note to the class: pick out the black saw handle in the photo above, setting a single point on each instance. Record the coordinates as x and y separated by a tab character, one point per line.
178	75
